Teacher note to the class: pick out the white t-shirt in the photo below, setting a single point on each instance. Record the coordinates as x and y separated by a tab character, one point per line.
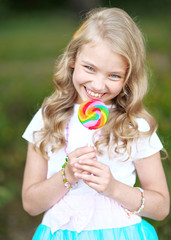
82	208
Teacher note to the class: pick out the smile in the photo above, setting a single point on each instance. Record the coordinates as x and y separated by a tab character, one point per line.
94	94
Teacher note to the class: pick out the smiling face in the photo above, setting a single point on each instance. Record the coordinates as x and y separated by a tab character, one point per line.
98	73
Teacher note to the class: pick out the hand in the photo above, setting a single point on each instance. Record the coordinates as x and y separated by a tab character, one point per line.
80	154
100	177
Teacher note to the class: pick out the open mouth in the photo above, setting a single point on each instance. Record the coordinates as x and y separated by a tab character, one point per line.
92	94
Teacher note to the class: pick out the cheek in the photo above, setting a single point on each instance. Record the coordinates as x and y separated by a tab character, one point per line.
78	77
76	81
115	88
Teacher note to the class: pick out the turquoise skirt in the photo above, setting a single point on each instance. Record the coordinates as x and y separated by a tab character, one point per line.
139	231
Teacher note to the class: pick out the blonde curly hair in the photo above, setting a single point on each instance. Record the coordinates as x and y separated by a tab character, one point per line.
124	37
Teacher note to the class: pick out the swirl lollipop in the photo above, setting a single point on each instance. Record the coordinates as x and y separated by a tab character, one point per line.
93	114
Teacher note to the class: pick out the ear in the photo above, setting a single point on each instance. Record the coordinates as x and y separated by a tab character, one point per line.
72	65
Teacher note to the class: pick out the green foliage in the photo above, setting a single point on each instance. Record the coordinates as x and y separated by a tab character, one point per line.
29	47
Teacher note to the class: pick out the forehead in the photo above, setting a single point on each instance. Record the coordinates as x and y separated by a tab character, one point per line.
101	54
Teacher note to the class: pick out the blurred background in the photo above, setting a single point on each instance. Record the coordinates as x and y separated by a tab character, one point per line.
33	33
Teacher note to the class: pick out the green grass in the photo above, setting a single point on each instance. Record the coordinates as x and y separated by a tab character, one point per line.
29	46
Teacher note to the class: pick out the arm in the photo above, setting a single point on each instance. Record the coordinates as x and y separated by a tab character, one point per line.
152	179
40	193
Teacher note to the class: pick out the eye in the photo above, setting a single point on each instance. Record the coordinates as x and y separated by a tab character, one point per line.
91	69
114	76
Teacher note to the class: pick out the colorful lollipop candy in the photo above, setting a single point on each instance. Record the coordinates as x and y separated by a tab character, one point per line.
93	114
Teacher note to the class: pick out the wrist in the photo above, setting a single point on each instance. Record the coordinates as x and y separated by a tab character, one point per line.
141	207
114	190
70	175
68	184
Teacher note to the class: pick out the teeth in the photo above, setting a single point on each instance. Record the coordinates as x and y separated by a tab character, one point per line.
93	94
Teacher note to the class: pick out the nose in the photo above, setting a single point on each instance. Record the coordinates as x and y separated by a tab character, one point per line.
98	84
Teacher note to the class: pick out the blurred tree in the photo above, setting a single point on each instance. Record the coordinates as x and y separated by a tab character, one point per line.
83	5
144	7
74	5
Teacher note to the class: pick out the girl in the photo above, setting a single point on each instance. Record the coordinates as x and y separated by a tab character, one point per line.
87	187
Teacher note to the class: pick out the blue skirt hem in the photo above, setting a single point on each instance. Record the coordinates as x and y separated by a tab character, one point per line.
139	231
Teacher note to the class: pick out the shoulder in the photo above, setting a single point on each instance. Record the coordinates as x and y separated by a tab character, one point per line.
37	120
35	125
148	143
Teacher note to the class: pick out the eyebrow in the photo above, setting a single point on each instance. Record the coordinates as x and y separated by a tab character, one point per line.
88	63
116	72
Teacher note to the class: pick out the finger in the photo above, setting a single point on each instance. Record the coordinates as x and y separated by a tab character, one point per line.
79	170
87	168
91	155
92	163
93	185
81	159
81	151
86	177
